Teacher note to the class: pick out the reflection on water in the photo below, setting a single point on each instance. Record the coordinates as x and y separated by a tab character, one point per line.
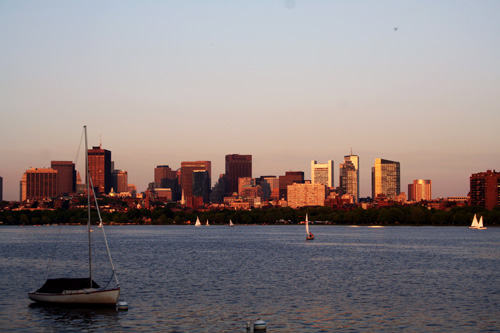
183	279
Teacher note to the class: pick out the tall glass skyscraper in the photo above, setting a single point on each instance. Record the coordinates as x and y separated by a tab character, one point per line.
322	173
386	178
349	176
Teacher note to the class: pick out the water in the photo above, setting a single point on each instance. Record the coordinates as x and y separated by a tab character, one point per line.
215	279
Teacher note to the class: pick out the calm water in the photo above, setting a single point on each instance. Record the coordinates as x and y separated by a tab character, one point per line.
215	279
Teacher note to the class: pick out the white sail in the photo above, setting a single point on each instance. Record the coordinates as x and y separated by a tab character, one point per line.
480	224
475	223
231	223
307	225
198	223
208	224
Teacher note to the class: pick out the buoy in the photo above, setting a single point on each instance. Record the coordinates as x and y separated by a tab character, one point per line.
122	305
259	325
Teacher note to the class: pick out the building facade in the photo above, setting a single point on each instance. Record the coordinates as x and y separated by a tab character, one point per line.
39	183
187	169
201	186
100	169
237	166
300	195
66	177
349	176
1	189
322	173
120	181
165	177
485	189
290	177
421	189
386	178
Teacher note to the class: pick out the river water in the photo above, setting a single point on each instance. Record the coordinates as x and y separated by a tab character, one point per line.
215	279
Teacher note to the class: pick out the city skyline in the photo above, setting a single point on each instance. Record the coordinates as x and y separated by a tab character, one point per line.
284	81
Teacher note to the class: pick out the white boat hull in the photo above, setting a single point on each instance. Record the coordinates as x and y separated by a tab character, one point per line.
84	296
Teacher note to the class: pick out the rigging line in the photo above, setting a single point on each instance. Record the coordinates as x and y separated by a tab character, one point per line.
79	147
51	259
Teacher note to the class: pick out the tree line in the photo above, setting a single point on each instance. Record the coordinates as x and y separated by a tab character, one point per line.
393	215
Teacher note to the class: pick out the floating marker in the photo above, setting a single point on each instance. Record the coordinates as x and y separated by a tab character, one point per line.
259	325
122	305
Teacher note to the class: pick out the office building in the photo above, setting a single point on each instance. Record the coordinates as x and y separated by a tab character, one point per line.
201	185
100	169
66	177
120	181
421	189
385	178
219	190
270	187
322	173
165	177
187	169
484	189
349	176
290	177
300	195
39	183
237	166
1	189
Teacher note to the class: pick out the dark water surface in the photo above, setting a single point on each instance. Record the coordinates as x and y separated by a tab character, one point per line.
215	279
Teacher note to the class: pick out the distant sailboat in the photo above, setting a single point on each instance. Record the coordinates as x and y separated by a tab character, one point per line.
480	224
231	223
309	236
475	223
208	224
81	290
198	223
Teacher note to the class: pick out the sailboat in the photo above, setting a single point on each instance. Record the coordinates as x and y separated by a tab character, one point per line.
207	224
309	236
198	223
84	290
231	223
475	223
480	225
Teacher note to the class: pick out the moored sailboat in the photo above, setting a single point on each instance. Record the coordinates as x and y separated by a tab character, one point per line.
480	224
83	291
198	223
231	223
475	223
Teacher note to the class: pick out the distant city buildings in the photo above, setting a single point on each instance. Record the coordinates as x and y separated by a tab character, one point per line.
120	181
1	189
188	181
300	195
349	176
322	173
290	177
484	189
421	189
66	177
237	166
39	183
100	169
385	179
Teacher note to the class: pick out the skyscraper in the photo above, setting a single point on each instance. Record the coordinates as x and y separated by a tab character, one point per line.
485	189
120	181
201	187
421	189
100	169
187	169
385	178
237	166
289	178
66	177
322	173
165	177
39	183
349	176
1	189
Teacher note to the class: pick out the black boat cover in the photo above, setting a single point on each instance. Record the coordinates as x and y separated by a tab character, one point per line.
57	286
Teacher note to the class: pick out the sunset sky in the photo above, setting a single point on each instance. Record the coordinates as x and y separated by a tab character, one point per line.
161	82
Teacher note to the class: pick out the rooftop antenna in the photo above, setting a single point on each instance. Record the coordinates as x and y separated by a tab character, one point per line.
100	141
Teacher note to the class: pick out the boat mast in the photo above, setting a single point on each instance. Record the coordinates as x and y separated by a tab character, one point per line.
87	175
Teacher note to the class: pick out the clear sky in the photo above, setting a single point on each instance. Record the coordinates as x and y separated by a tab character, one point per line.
286	81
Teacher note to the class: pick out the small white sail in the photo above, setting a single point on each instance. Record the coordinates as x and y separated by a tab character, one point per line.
475	223
480	224
231	223
198	223
208	224
307	225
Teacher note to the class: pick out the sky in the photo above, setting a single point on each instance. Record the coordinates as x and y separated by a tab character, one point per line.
287	81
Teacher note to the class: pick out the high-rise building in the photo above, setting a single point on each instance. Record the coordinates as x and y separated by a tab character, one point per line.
421	189
187	169
120	181
100	169
322	173
290	177
349	176
219	189
270	187
300	195
66	177
485	189
237	166
39	183
165	177
385	178
1	189
201	186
